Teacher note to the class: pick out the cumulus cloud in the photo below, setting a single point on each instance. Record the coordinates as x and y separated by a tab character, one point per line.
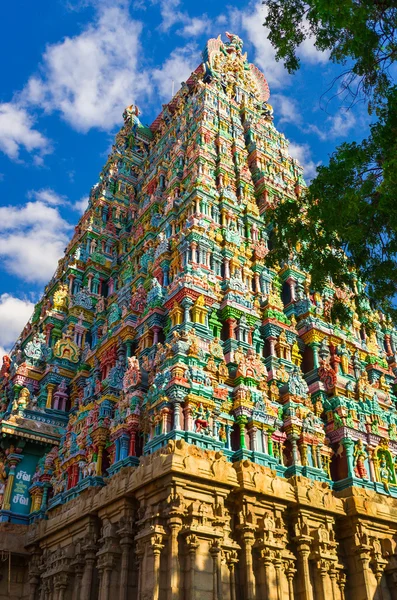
17	132
307	51
81	205
14	314
303	155
171	15
252	20
264	57
286	109
338	125
89	78
47	195
178	67
32	239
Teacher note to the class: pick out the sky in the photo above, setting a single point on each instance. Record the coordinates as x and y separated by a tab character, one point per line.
69	69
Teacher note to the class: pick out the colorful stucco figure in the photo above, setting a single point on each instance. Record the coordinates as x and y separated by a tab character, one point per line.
165	336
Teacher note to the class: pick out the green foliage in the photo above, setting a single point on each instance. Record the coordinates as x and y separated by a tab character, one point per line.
345	223
363	33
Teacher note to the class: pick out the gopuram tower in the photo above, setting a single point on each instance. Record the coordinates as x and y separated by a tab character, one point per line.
179	421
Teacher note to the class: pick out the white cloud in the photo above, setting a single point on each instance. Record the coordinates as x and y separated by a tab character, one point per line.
252	20
177	68
91	77
32	239
307	51
286	110
252	23
17	132
195	26
303	155
81	205
14	314
338	125
46	195
191	26
169	14
342	123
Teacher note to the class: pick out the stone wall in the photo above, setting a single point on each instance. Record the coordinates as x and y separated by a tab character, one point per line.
187	524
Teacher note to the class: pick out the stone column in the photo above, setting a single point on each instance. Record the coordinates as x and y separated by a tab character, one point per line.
333	573
278	568
231	561
227	268
272	342
33	585
342	584
249	539
293	438
186	304
188	412
315	346
364	558
303	552
192	544
322	568
61	582
157	547
140	554
177	415
267	564
292	287
216	553
13	460
252	435
290	573
104	593
50	390
175	524
86	582
78	576
126	542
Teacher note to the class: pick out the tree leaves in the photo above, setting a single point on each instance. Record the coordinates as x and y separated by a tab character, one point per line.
345	223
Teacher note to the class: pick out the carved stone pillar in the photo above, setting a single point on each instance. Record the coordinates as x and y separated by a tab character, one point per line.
175	524
333	575
156	547
278	569
126	542
249	539
290	573
140	554
34	573
231	560
322	567
216	553
342	584
192	545
303	553
106	573
13	460
78	570
33	585
267	565
61	583
86	582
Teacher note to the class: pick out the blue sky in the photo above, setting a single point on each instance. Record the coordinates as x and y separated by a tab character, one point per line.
70	67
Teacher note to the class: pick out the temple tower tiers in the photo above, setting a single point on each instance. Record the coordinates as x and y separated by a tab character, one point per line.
179	421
